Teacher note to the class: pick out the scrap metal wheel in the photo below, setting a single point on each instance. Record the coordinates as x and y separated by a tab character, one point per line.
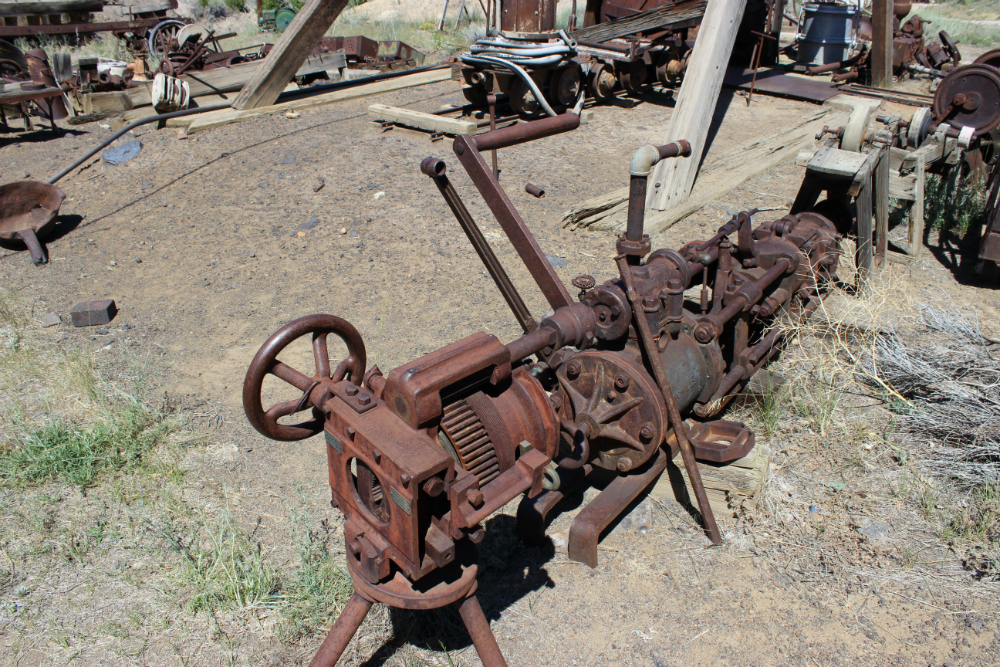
969	96
162	37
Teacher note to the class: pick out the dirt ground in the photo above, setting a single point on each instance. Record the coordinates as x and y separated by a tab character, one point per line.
210	243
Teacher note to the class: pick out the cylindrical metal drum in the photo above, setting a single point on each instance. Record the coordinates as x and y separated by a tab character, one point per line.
827	32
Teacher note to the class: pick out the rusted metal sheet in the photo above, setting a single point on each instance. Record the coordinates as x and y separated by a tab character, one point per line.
778	84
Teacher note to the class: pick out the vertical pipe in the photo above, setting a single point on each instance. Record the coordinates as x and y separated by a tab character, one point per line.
636	208
479	629
342	631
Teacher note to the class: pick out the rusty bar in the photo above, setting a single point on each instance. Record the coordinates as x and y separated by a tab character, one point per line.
674	414
343	630
512	224
479	629
534	190
437	170
525	132
491	99
588	525
534	342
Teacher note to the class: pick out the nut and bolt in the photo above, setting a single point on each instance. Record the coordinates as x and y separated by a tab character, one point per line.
573	369
351	391
364	399
622	382
624	465
475	497
434	487
646	433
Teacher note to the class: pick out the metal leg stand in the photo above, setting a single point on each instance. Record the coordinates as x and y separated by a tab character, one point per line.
479	629
342	631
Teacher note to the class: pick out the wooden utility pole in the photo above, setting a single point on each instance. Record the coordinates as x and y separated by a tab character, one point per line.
882	43
288	55
692	117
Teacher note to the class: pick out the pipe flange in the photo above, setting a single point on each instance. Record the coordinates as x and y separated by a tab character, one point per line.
634	248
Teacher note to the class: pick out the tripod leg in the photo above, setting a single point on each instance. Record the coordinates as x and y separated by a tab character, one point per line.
342	631
479	629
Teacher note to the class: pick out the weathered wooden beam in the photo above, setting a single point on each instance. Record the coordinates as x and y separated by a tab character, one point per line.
696	102
882	43
287	56
421	120
643	21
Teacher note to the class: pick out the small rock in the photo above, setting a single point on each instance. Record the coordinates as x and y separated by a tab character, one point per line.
313	221
288	159
92	313
51	320
138	260
638	520
113	263
557	262
253	254
343	230
874	529
101	332
292	114
123	153
320	183
300	234
379	195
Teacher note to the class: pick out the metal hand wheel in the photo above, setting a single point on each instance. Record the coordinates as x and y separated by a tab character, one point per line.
266	362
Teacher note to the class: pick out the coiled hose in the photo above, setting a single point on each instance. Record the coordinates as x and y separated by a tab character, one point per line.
511	54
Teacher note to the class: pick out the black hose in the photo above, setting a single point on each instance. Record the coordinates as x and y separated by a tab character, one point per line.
130	126
284	97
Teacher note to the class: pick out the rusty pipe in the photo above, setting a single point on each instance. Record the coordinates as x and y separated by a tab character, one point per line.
534	190
639	168
438	172
532	343
710	325
524	132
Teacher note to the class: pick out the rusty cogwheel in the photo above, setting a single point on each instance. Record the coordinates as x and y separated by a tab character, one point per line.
969	96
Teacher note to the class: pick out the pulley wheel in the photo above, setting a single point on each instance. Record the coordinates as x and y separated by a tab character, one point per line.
991	58
522	100
162	37
564	86
950	47
969	96
920	124
855	130
602	82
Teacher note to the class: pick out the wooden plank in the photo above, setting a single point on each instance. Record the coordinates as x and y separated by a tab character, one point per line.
64	7
902	187
696	102
287	56
727	487
421	120
916	231
721	173
659	18
226	116
836	162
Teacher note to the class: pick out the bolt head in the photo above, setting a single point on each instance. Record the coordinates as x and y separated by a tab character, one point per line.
646	432
351	432
377	455
405	479
364	399
476	498
624	465
573	368
351	391
611	396
622	382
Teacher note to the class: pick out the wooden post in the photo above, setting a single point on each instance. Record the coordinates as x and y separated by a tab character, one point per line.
692	117
461	10
917	210
444	13
882	43
288	55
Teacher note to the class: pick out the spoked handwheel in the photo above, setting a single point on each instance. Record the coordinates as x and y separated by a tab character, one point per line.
162	37
314	386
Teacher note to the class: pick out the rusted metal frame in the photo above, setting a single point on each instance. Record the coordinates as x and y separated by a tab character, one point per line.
510	220
588	525
656	364
491	99
437	171
881	196
755	59
532	513
711	324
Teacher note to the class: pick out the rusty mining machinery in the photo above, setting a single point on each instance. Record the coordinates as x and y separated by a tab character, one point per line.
610	386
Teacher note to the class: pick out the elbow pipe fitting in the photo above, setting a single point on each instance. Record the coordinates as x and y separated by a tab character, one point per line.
646	157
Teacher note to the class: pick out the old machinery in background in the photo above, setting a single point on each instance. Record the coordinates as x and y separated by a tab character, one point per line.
613	47
610	386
